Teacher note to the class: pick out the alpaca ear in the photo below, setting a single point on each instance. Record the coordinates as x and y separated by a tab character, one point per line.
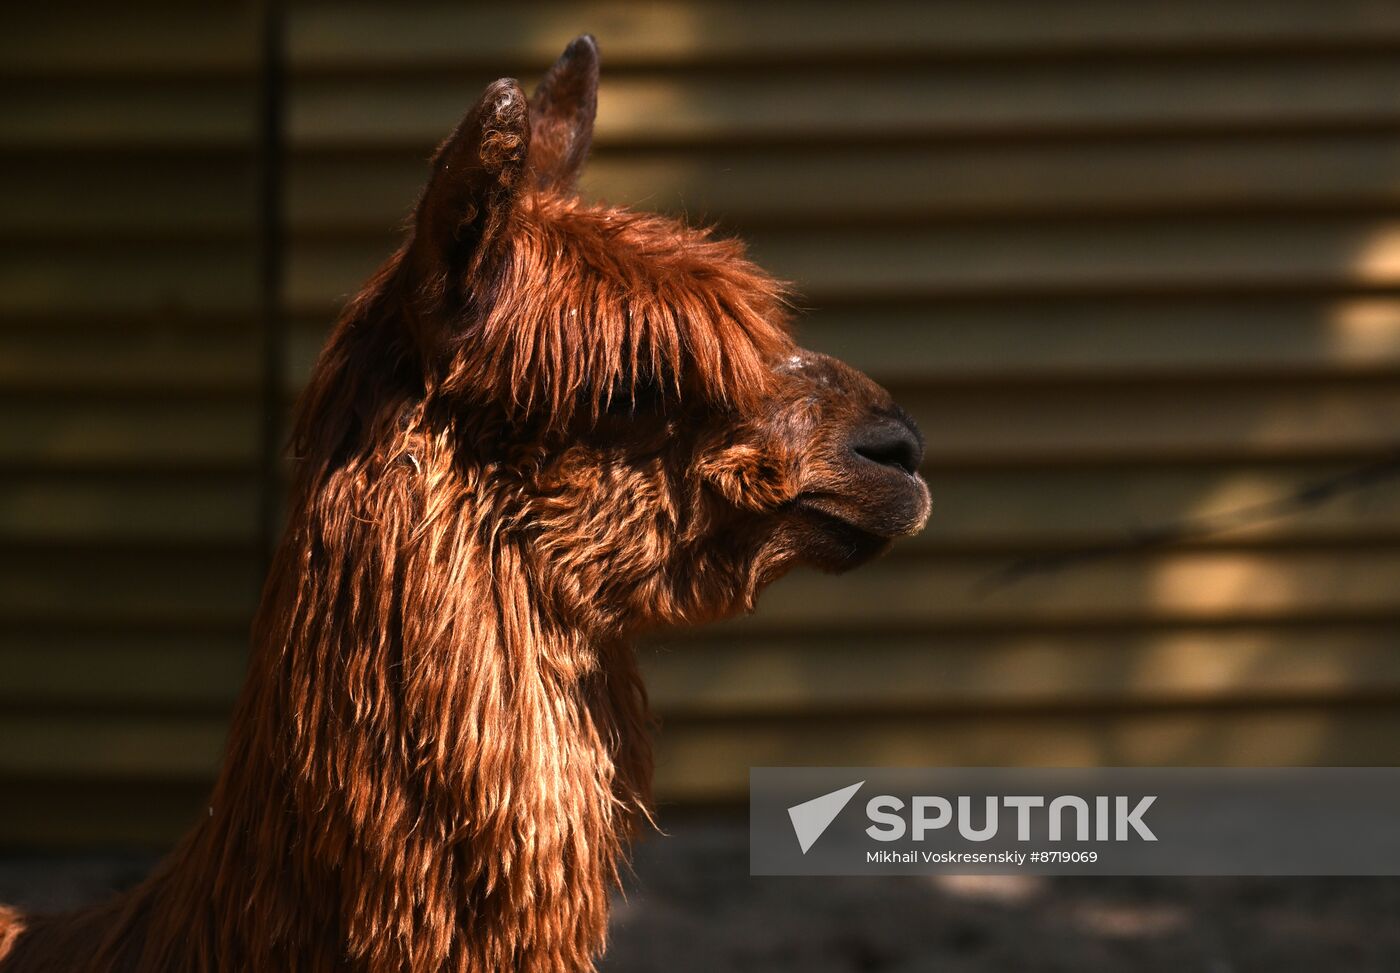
562	111
749	478
472	190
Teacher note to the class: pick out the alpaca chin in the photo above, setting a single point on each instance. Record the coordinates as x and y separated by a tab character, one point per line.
831	544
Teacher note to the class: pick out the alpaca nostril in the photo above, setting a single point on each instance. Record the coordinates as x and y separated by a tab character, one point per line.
889	444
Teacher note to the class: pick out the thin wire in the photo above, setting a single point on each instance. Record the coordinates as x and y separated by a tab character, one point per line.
1307	497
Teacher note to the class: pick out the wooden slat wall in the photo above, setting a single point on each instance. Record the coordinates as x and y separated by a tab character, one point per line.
129	378
1129	266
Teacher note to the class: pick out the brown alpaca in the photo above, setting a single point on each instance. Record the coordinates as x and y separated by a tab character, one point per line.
543	428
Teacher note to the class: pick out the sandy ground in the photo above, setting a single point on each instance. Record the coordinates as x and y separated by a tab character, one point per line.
692	907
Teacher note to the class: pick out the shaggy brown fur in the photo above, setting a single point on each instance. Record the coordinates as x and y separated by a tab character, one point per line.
542	429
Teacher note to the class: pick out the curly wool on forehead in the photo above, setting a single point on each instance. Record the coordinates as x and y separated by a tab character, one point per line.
590	304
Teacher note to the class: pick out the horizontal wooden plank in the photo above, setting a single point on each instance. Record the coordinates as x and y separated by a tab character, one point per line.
1158	254
913	183
975	591
1226	505
121	586
157	39
182	356
365	37
943	262
83	277
107	748
56	430
711	761
150	509
865	183
835	102
60	193
1158	423
1190	338
134	671
713	676
61	114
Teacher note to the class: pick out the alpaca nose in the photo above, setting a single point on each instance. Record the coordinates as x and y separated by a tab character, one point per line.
890	442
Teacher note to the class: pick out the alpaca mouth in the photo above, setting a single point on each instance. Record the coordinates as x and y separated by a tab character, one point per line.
818	508
832	542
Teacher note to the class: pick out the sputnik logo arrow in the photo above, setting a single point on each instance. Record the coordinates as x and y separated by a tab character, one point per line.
811	818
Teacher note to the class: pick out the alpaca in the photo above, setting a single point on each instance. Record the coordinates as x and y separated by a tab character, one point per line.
544	428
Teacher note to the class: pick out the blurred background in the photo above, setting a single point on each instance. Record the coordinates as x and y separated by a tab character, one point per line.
1134	268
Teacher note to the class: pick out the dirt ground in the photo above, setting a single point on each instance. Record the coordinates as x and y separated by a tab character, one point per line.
691	906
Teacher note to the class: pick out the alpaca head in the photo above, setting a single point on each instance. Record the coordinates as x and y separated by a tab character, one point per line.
667	446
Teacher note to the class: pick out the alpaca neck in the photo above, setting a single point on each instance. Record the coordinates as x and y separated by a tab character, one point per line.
426	769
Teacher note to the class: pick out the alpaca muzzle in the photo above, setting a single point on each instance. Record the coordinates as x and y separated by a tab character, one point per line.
877	497
889	498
